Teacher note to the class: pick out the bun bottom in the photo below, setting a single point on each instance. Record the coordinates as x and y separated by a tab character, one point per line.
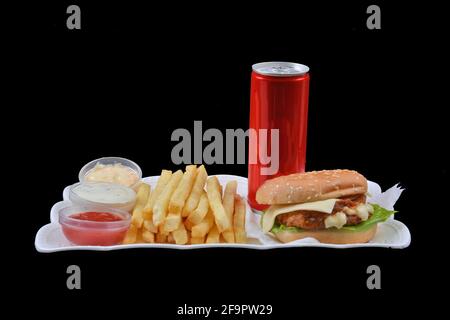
330	236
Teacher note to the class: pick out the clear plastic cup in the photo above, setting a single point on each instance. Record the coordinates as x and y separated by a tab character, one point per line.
92	225
111	161
104	194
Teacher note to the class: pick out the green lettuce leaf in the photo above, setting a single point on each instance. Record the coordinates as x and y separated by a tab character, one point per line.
379	214
281	227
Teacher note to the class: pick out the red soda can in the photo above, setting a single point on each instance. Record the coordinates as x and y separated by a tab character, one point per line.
278	100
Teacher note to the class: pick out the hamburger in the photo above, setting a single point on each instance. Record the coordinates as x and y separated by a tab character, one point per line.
328	205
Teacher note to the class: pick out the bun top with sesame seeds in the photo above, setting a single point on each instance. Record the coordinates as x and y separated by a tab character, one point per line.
311	186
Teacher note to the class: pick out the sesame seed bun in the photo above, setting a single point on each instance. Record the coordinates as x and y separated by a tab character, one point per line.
311	186
330	236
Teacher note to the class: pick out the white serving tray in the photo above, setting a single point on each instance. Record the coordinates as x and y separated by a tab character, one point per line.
390	234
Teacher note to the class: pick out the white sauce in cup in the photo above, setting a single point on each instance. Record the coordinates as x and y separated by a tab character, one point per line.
103	193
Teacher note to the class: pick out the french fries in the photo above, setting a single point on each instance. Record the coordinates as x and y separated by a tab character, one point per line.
160	238
200	230
198	240
196	192
148	236
139	238
170	239
141	199
213	190
171	223
187	208
162	182
131	235
213	235
200	212
149	226
228	204
188	225
180	235
183	190
239	220
178	199
162	202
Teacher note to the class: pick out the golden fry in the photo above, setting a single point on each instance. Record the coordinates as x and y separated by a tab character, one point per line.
141	199
131	235
162	202
160	238
228	204
180	235
197	240
148	236
188	224
196	192
239	220
179	196
228	235
160	185
202	229
182	191
139	238
170	239
228	198
215	201
200	212
171	223
213	235
149	226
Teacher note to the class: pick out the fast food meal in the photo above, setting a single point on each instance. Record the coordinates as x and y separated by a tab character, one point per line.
328	205
188	207
112	205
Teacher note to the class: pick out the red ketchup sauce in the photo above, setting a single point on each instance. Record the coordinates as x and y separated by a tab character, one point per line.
96	216
89	229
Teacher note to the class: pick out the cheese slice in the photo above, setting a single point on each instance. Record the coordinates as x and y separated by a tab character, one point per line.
269	217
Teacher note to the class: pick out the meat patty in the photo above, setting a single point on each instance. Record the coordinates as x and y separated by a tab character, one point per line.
311	220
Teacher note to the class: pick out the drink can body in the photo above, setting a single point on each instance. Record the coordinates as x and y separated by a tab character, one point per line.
278	100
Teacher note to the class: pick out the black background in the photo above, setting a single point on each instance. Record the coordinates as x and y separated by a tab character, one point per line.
133	74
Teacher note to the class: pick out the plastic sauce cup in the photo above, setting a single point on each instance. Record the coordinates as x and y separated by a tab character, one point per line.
104	194
111	161
94	225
